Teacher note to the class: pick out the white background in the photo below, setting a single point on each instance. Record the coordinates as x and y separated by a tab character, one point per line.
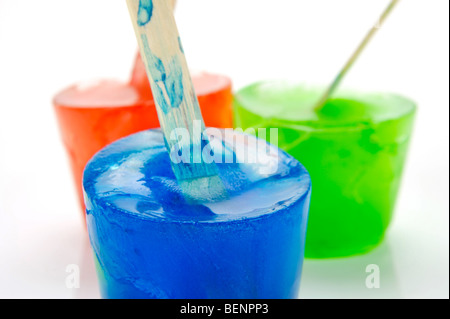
46	45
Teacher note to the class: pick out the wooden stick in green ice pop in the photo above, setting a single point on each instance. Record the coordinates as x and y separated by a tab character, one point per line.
176	102
173	4
354	56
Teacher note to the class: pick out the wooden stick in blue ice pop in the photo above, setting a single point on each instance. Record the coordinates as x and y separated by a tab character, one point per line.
176	102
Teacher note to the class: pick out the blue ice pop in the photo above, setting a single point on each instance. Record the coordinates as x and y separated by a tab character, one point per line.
149	242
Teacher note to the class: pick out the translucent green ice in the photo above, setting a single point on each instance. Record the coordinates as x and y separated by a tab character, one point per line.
354	149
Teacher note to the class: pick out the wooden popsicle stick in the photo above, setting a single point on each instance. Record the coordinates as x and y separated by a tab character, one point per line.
176	102
334	85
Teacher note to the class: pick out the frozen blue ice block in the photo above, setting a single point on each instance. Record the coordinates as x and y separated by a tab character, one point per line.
149	242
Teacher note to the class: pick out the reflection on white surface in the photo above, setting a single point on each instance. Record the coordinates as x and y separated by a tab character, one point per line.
89	288
46	255
346	277
36	266
322	278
